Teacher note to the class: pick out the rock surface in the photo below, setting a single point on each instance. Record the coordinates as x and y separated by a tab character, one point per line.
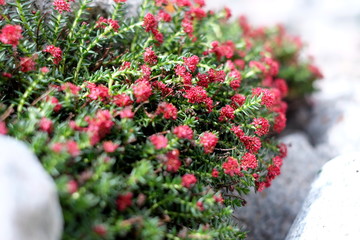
269	214
29	204
332	208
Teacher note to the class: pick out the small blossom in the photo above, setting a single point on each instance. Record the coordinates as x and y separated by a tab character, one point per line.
249	161
164	16
277	161
191	62
3	129
188	180
215	173
109	146
267	98
120	1
57	147
183	131
208	140
172	163
62	5
262	126
100	229
282	150
159	141
227	13
127	112
150	56
103	23
216	76
231	166
72	186
46	125
7	75
72	148
27	64
280	122
124	201
238	131
2	2
226	113
68	86
150	22
196	94
219	198
44	70
237	100
167	109
122	100
55	52
11	34
142	91
200	206
282	86
99	126
97	92
54	101
252	144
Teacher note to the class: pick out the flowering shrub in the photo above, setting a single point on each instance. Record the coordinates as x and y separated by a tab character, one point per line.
153	127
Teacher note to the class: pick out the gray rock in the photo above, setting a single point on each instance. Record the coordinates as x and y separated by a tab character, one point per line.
29	204
269	214
332	208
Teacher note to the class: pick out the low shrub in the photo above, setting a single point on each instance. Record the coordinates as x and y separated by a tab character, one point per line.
153	126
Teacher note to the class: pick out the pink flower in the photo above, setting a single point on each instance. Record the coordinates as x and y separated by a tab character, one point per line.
262	126
44	70
191	62
124	201
280	122
249	161
101	229
252	144
54	101
267	98
219	198
3	129
196	94
2	2
200	206
142	91
188	180
122	100
27	64
282	86
164	16
103	23
55	52
72	148
216	76
183	131
7	75
46	125
120	1
57	147
231	166
209	141
282	150
109	146
99	126
226	113
227	13
61	5
72	186
150	56
277	161
97	91
159	141
215	173
127	112
172	163
150	22
238	131
11	34
68	86
167	109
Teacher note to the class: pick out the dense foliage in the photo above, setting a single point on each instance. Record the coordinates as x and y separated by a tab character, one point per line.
154	126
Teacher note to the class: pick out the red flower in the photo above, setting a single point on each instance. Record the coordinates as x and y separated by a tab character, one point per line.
209	141
150	56
103	23
282	86
173	163
44	70
277	161
120	1
237	100
61	5
46	125
167	109
238	131
196	94
3	129
252	144
68	86
191	62
164	16
188	180
249	161
183	131
142	91
159	141
215	173
122	100
200	206
201	3
226	113
7	75
97	92
55	52
262	126
2	2
57	147
109	146
150	22
11	34
72	186
231	166
219	198
187	26
54	101
216	76
227	12
99	126
124	201
280	122
267	98
127	112
273	171
100	229
27	64
282	150
72	148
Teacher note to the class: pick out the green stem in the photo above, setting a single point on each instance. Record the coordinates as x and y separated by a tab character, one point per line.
57	27
27	93
21	13
83	6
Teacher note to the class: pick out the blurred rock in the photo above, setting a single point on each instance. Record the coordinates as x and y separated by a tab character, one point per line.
269	214
29	204
332	208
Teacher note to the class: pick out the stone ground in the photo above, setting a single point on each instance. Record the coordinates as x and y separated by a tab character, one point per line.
332	30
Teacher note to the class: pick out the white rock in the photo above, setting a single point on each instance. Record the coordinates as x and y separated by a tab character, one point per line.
29	205
332	208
